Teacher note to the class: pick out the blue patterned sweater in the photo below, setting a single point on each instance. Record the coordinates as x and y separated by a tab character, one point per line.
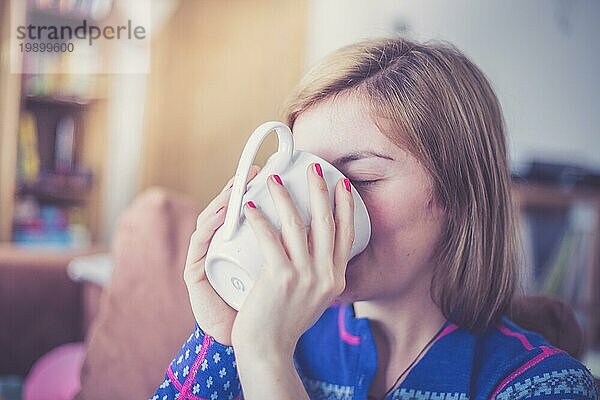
336	359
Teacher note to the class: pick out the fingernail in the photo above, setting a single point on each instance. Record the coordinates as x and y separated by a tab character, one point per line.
222	207
277	179
251	204
347	184
318	170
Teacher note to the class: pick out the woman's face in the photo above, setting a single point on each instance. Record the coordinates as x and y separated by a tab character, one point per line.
406	222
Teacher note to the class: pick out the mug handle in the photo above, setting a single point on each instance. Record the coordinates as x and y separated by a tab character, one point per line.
281	160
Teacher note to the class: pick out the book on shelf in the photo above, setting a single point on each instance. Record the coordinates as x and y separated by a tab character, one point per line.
28	157
566	267
45	225
569	273
64	142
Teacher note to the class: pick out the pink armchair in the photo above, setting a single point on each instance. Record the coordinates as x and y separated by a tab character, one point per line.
144	313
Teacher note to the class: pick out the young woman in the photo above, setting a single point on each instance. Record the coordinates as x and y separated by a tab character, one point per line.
419	314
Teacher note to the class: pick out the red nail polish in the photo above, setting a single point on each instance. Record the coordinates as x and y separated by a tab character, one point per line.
251	204
347	184
277	179
318	170
219	210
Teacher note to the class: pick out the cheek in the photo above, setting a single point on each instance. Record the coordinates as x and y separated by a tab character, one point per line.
392	212
404	233
384	216
404	224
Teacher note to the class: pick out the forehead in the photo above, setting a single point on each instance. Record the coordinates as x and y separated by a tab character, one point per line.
339	126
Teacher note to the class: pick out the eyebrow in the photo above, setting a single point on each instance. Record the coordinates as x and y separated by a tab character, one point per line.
359	155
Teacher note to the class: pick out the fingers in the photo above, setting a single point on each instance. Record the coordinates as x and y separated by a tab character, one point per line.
267	236
331	234
322	231
293	229
201	237
222	199
210	219
344	222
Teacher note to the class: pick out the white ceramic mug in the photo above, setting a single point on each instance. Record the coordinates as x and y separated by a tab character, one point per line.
234	257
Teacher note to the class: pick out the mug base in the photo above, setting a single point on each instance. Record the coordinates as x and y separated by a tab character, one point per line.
229	280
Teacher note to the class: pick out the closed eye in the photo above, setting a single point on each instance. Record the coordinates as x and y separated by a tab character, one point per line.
364	183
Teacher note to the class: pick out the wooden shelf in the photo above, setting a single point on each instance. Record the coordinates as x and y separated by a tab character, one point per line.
59	101
90	115
58	196
13	254
546	195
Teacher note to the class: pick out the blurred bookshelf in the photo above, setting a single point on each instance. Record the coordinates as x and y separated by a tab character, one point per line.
559	227
53	138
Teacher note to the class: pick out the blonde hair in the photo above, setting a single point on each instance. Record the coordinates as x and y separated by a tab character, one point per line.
441	108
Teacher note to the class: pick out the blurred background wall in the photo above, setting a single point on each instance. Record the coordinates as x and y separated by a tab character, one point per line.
218	69
542	57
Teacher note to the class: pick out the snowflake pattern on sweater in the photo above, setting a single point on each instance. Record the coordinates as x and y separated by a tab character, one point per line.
204	369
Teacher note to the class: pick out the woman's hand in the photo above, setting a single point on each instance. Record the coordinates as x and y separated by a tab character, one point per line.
303	272
213	315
